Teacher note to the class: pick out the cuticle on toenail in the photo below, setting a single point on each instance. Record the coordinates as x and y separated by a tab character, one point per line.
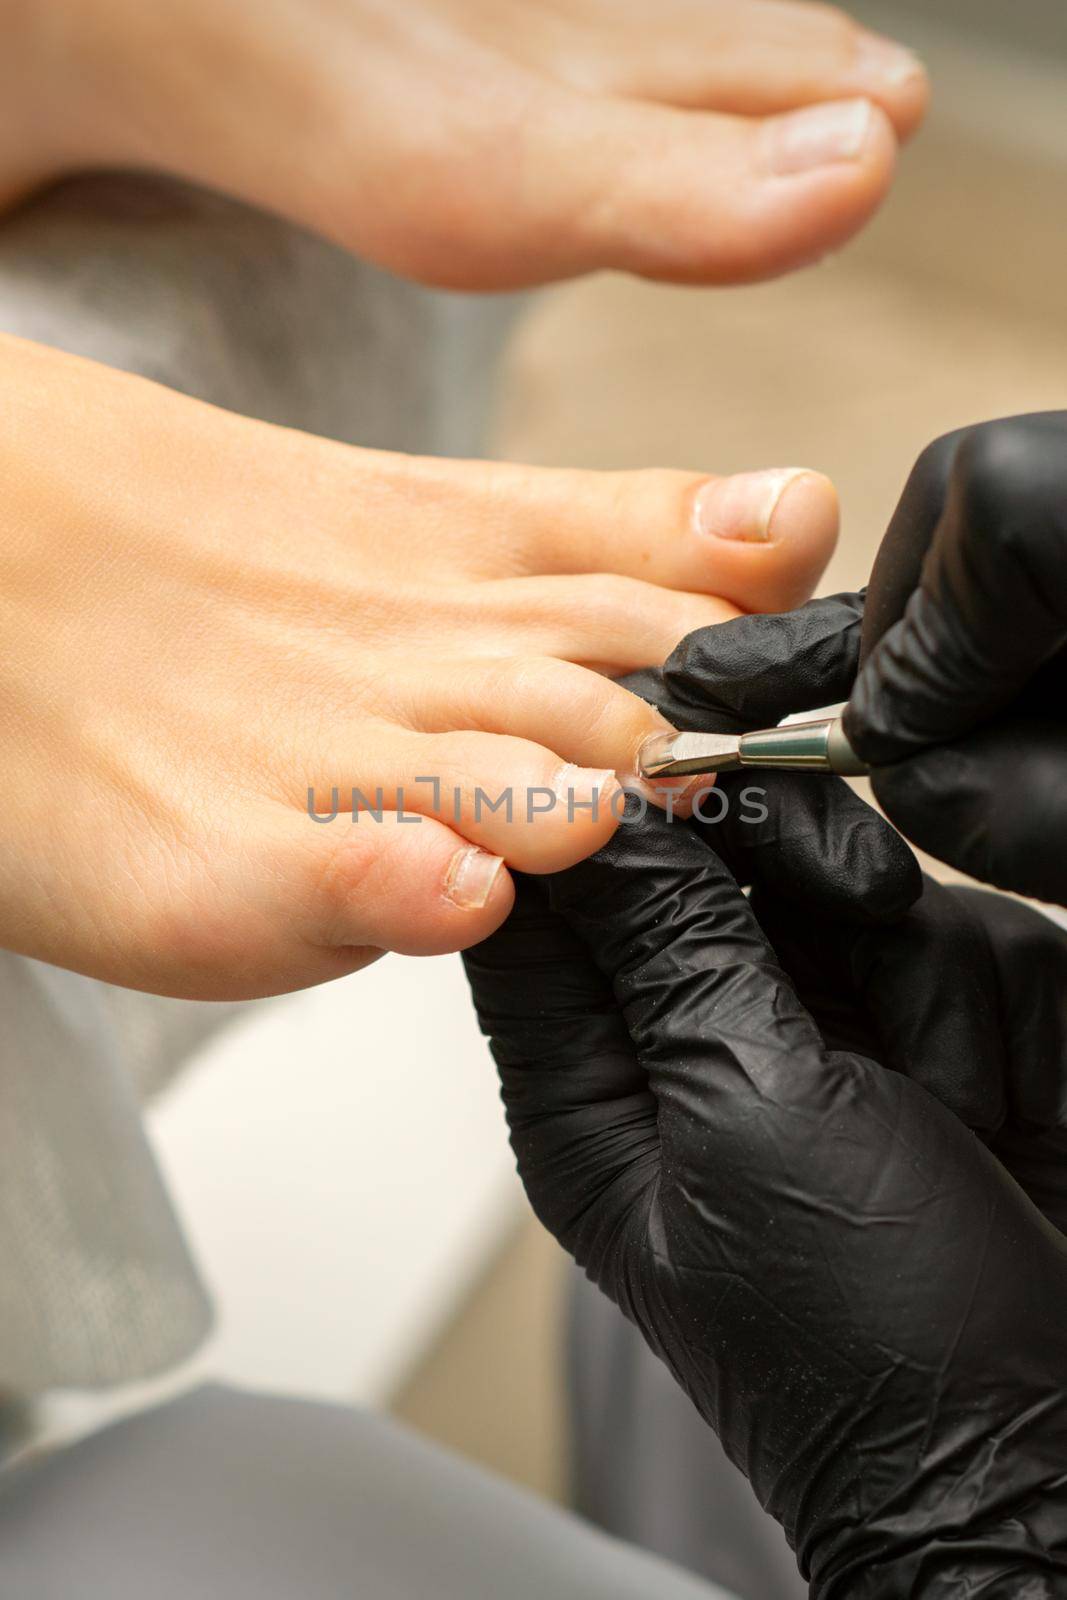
470	878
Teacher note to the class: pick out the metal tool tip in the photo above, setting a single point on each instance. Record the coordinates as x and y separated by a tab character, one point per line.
688	755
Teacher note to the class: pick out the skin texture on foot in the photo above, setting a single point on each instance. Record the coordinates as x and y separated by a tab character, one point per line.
490	144
203	618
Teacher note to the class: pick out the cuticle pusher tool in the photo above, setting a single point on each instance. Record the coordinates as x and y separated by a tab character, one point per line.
797	747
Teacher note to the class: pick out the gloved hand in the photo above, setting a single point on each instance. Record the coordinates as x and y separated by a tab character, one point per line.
852	1289
962	991
960	704
849	1285
817	844
966	995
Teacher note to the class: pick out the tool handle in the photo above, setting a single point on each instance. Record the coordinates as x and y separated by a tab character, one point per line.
843	759
803	747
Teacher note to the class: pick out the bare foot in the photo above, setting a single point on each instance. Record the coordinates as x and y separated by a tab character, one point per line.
483	143
202	617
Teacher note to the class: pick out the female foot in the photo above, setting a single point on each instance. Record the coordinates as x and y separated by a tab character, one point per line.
483	143
203	618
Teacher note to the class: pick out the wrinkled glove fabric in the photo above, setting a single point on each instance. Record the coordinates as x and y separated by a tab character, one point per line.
960	706
849	1283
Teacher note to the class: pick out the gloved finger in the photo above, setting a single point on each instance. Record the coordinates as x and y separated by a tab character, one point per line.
814	954
715	1021
923	992
1030	953
898	566
754	1218
645	1016
792	1176
754	670
582	1118
993	805
991	607
810	840
814	838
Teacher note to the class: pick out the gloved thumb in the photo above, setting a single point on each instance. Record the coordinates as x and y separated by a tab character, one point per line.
986	514
754	670
818	842
993	805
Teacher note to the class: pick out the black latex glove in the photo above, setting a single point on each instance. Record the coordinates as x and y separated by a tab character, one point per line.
961	703
854	1292
819	846
964	992
967	995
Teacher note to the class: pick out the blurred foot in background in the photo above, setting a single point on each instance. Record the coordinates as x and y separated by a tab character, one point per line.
493	145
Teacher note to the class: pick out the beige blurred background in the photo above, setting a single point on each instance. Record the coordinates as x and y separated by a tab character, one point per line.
950	310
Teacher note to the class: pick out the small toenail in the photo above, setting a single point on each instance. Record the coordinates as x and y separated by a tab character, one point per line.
470	878
742	508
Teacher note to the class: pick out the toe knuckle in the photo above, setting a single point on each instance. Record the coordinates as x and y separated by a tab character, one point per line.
608	603
525	676
610	593
343	879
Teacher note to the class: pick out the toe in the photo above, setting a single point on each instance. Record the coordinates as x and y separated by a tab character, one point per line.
354	891
691	197
759	540
584	718
752	59
510	796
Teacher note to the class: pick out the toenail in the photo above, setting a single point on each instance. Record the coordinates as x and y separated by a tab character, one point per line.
742	508
582	790
819	136
882	61
470	878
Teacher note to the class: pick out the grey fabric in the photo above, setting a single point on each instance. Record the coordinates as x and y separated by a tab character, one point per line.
96	1281
241	309
646	1468
228	1496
